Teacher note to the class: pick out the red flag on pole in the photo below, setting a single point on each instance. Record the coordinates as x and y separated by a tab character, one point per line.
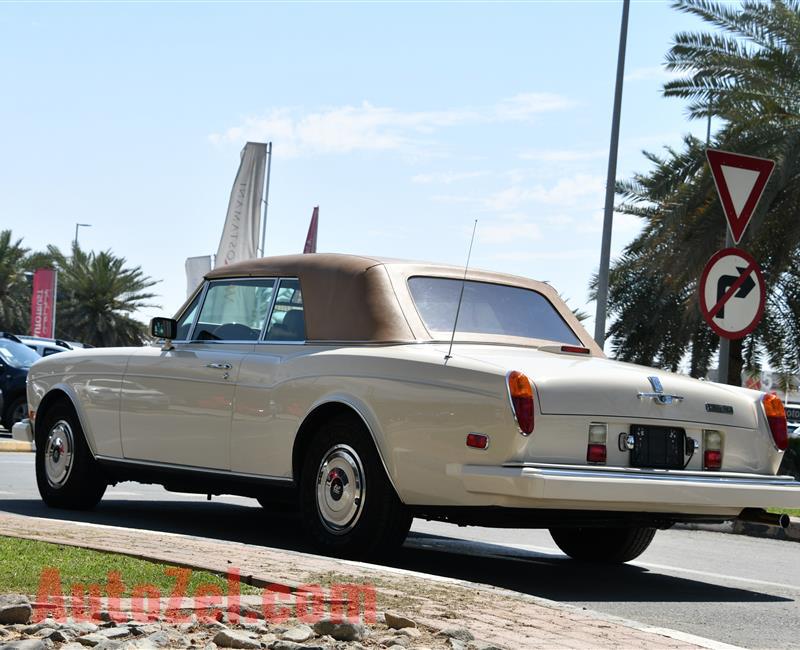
311	237
43	303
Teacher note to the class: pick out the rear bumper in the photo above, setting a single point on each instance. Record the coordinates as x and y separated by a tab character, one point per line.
22	431
575	487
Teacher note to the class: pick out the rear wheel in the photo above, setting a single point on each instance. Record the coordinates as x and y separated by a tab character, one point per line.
603	545
66	473
349	506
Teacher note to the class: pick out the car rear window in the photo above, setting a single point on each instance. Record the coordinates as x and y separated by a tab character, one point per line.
488	309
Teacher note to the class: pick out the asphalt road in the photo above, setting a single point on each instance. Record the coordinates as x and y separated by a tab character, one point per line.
739	590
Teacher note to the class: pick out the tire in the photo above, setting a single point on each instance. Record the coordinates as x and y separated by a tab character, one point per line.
66	473
348	505
16	410
603	545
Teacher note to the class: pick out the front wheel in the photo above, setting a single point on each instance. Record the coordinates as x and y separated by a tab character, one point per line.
15	411
66	473
603	545
348	504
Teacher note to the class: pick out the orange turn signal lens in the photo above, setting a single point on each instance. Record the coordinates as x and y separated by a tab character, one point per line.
776	416
520	391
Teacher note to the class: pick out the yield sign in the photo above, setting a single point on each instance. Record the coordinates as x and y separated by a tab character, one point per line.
740	182
732	293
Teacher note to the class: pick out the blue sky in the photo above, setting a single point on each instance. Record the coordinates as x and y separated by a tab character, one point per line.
404	122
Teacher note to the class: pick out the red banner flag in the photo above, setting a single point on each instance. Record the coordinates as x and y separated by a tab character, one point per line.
311	237
43	304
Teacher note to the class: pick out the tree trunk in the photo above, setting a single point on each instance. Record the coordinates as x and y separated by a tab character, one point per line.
735	363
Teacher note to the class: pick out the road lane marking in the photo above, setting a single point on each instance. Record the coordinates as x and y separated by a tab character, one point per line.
668	567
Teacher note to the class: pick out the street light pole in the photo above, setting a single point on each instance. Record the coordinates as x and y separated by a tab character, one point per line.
79	225
611	177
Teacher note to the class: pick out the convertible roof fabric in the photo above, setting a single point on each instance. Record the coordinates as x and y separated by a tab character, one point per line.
366	299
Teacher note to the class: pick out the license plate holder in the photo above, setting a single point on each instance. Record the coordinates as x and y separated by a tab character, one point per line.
658	447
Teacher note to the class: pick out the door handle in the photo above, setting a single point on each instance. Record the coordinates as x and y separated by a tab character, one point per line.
219	366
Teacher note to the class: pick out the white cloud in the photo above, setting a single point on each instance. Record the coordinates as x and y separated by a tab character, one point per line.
446	178
367	127
563	155
512	228
566	192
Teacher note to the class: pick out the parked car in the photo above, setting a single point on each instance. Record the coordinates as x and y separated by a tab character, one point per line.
370	392
15	361
44	347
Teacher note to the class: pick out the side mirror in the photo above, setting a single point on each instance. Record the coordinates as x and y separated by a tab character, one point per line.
164	328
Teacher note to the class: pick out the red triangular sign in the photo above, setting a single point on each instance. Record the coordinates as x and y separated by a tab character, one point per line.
740	182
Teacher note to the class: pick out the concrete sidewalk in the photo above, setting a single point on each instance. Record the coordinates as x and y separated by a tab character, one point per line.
494	616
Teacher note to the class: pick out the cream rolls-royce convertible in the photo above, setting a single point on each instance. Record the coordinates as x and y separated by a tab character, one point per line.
337	383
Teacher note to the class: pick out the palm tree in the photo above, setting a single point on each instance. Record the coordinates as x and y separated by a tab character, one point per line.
14	289
97	296
747	74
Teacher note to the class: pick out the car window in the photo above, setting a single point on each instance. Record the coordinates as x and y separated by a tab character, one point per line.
187	320
287	322
234	310
17	355
488	309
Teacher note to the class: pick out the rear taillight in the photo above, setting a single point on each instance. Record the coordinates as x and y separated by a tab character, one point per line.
776	416
596	447
712	450
520	391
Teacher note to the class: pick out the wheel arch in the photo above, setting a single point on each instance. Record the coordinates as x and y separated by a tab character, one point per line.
61	393
321	412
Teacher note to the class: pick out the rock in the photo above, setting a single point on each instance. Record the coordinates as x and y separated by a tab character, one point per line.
159	639
47	624
412	632
398	621
139	644
390	641
456	644
457	633
341	631
58	636
79	628
234	639
281	644
210	646
113	633
259	627
397	647
108	644
15	609
72	646
26	644
298	634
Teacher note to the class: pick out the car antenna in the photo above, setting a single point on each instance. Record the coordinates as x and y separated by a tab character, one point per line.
461	295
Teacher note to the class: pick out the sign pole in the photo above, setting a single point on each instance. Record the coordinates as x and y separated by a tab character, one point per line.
724	342
266	198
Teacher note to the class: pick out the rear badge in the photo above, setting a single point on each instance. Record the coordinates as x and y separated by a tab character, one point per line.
719	408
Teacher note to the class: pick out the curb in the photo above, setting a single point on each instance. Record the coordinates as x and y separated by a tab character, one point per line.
790	534
16	445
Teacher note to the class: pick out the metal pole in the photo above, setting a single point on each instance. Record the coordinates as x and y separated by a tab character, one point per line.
724	344
266	197
608	216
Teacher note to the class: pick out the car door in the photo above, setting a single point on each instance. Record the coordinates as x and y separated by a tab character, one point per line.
177	403
268	404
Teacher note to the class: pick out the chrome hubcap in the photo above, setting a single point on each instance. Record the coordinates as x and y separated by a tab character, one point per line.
58	454
340	489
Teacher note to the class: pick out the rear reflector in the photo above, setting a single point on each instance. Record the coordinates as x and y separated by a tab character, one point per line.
776	416
596	453
520	392
575	349
477	441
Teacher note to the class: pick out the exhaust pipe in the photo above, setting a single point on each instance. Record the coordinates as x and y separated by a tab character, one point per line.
760	516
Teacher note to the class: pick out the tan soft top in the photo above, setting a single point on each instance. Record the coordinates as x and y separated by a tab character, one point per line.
366	299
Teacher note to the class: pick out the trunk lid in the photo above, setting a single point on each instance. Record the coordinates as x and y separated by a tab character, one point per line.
573	384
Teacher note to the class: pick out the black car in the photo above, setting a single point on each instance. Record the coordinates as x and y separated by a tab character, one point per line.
15	360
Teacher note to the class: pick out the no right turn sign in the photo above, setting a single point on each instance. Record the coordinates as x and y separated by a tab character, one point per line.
732	293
